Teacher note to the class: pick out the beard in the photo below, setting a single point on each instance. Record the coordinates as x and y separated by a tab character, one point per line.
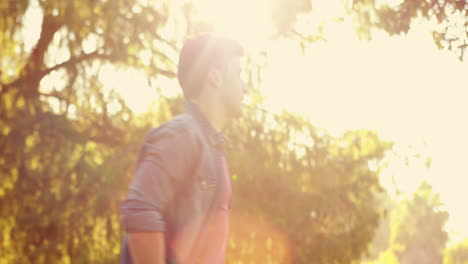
234	108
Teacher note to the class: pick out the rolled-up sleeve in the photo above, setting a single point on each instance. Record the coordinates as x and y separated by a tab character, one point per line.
165	158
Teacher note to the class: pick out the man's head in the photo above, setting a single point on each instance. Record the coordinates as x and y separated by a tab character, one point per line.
209	65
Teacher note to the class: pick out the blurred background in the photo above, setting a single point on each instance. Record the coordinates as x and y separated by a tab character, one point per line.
352	149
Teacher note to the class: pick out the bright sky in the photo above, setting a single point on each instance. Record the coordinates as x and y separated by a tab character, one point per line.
402	87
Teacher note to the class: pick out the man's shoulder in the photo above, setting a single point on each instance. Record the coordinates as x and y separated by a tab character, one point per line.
180	126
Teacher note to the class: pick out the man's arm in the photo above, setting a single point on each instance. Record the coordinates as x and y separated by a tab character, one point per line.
147	247
165	160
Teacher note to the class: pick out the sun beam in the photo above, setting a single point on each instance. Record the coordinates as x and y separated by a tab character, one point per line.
246	21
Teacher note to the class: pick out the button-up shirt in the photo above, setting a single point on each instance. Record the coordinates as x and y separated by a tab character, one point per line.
181	187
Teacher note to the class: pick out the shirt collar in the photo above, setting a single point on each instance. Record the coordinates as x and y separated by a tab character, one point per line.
215	138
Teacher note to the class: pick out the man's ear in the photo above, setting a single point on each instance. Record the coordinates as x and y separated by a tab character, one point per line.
214	77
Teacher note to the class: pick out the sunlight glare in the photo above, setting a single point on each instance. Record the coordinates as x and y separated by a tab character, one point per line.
131	85
247	21
254	239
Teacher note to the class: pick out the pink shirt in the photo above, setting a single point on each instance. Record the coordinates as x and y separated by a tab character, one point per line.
219	226
212	248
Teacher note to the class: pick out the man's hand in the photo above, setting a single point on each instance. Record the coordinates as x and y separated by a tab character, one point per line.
147	247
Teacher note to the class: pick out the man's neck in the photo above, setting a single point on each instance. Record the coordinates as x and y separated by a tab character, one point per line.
213	112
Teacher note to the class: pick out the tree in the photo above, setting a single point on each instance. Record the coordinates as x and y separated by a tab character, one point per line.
449	17
65	139
380	245
457	254
417	228
315	192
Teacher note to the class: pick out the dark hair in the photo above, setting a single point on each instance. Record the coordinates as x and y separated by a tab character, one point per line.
199	55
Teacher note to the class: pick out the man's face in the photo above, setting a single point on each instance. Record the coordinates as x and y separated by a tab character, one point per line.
233	87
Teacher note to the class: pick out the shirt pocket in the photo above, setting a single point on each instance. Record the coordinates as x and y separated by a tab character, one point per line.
207	181
206	175
206	186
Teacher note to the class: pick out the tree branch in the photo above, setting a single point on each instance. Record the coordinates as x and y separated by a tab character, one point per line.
73	61
35	61
49	27
68	63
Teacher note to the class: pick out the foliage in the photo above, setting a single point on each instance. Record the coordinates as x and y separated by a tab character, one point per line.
417	228
320	199
457	254
414	232
385	257
449	17
285	12
65	140
380	246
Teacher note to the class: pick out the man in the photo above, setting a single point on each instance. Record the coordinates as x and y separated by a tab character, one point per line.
177	209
